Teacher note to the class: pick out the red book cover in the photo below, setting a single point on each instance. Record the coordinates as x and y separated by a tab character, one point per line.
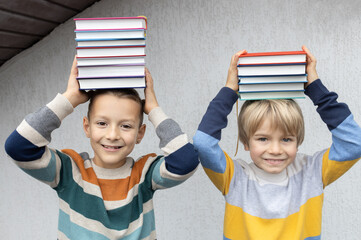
273	53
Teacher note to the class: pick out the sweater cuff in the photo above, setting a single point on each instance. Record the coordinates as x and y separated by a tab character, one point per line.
316	90
61	106
156	116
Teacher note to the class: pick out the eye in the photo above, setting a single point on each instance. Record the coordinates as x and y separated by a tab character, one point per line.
262	139
287	139
127	126
101	124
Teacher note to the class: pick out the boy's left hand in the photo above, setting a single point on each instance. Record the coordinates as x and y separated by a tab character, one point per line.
150	98
311	66
232	78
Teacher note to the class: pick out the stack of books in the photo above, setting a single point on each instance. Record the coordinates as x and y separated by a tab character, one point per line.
272	75
111	52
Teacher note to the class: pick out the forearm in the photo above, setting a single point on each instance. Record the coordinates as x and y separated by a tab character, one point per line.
346	134
209	131
345	150
34	132
332	112
27	144
180	156
218	166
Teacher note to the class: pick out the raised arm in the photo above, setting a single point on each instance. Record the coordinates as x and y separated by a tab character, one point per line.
180	159
345	150
27	145
217	164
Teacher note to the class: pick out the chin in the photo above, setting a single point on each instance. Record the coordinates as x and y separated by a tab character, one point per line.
275	171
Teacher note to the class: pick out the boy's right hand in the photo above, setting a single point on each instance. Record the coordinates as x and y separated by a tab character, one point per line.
232	78
72	93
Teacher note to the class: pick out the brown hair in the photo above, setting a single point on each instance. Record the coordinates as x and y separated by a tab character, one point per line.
284	114
128	93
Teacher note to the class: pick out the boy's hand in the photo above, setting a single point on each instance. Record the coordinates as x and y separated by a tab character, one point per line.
232	78
72	93
150	99
311	66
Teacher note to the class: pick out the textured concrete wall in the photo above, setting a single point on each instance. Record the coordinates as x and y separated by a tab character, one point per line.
189	46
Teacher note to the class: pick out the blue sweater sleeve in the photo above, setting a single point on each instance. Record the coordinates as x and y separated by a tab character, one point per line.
215	118
27	145
217	164
332	112
345	149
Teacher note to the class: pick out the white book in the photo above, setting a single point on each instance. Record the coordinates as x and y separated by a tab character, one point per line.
109	61
271	95
110	83
111	23
271	87
273	57
105	43
111	51
109	34
271	69
111	71
274	79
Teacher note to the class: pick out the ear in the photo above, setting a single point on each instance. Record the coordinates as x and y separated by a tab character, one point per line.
86	127
141	133
246	147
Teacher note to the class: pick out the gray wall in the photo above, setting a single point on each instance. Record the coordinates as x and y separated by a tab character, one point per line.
189	46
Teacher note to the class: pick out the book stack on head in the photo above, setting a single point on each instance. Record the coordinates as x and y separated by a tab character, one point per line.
111	52
272	75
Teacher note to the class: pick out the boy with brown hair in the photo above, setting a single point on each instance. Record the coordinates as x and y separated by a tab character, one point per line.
110	195
280	194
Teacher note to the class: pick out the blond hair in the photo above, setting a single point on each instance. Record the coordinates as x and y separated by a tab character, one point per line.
284	114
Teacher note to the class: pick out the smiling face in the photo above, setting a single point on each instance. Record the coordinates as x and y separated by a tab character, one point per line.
114	128
272	150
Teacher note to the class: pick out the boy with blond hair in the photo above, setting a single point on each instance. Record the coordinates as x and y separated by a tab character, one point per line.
109	196
279	195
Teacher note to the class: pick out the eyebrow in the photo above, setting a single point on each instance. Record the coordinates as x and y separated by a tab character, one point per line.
261	134
107	118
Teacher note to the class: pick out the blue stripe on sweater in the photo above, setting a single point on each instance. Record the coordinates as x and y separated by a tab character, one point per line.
45	174
92	207
145	230
346	140
21	149
215	118
210	154
182	161
74	231
314	238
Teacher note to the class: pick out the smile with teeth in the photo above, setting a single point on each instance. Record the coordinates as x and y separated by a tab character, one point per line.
111	147
274	161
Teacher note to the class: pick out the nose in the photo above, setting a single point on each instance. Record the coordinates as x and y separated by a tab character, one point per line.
113	133
275	148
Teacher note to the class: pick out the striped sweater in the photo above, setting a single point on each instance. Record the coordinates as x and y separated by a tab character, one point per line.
283	206
98	203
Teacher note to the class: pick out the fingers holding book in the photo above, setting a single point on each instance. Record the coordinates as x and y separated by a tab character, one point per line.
232	78
150	98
